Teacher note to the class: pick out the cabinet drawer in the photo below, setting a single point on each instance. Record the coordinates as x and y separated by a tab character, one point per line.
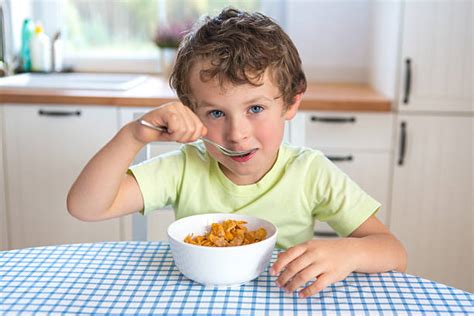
46	147
368	131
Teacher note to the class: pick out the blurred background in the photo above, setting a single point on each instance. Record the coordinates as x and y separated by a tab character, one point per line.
389	102
118	35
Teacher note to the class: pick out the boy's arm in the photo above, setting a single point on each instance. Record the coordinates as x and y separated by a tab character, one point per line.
104	189
370	248
378	250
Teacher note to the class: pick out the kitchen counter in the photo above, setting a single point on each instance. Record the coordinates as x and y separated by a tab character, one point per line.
155	91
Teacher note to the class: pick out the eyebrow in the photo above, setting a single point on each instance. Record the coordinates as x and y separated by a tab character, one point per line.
205	104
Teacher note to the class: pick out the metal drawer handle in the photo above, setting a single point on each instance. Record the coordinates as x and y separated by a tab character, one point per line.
403	143
59	113
406	97
341	158
331	119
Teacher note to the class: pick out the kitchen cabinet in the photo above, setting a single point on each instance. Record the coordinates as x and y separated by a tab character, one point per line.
436	56
3	209
46	147
432	170
432	197
360	144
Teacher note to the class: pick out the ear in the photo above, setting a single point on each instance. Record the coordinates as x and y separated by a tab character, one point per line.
293	108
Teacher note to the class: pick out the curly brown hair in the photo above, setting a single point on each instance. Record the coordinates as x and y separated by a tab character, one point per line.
239	47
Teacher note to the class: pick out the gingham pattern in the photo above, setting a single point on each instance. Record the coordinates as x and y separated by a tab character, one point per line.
140	278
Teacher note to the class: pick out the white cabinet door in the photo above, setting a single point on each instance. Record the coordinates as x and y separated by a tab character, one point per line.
436	56
3	210
432	197
46	147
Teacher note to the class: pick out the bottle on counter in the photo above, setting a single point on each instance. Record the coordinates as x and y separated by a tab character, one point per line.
27	33
40	46
57	52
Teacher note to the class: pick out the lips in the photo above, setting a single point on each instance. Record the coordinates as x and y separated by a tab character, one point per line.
244	158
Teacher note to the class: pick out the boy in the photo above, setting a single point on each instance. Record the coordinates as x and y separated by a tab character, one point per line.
239	78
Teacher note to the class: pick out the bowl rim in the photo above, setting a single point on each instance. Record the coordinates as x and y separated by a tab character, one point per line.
207	248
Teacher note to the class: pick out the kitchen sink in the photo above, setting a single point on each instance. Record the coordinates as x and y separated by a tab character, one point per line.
75	81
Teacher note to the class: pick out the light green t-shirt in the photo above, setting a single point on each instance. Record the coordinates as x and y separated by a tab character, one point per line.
302	186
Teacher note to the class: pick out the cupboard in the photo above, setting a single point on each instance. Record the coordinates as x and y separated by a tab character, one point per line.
46	147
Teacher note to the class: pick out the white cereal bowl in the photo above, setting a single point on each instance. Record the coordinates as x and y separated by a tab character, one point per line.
220	266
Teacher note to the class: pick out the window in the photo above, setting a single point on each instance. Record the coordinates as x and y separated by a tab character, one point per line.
117	35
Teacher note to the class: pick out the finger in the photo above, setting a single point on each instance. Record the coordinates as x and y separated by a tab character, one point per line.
323	281
304	276
286	257
181	127
203	131
145	134
174	125
189	124
292	269
198	126
198	132
158	115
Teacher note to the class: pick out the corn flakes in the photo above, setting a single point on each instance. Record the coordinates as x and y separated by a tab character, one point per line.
229	233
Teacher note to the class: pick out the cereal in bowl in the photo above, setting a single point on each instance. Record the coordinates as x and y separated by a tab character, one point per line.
227	234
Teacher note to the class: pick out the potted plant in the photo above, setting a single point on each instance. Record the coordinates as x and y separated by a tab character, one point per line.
167	38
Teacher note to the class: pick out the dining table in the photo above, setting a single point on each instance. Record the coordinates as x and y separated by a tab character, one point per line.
140	278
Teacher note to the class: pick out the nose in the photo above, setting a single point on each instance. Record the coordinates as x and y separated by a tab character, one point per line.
238	129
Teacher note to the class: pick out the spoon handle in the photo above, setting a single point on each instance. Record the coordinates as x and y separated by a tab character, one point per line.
163	129
155	127
223	150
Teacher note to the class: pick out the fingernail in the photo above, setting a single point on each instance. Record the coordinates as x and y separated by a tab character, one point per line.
272	271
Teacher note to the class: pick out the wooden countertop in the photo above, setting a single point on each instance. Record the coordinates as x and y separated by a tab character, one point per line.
155	91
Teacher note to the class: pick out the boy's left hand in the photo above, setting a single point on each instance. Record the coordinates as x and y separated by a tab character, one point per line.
329	261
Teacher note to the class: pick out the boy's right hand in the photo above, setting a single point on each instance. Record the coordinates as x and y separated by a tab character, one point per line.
182	124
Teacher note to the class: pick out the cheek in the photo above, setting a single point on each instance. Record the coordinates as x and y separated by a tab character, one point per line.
270	133
214	128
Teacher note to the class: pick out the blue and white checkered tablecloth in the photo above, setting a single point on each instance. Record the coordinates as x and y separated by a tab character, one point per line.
141	278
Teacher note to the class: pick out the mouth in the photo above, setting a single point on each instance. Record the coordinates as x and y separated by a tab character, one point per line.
244	158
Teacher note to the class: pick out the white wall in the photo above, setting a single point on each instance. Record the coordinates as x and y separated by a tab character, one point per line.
20	10
384	47
332	38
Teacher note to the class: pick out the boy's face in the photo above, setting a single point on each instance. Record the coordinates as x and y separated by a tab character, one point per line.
240	118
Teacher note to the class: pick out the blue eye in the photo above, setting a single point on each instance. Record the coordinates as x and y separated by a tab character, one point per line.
256	109
216	113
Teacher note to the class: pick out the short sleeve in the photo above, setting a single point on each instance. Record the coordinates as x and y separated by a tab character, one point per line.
339	201
159	179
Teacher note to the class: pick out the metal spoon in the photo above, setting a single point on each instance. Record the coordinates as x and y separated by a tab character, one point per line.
225	151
